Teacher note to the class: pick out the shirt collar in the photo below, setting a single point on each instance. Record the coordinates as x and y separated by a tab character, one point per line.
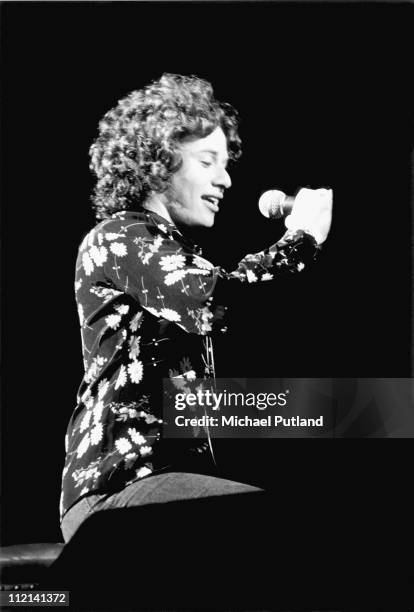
166	227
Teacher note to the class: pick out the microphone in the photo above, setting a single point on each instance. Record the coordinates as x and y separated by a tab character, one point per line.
275	204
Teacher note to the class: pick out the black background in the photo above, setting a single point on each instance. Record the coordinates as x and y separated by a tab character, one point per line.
324	96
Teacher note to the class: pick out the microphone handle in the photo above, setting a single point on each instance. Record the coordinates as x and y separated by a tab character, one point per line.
288	205
277	211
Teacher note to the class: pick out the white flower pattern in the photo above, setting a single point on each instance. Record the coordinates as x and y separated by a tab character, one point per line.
174	277
96	433
153	311
97	411
81	315
200	262
122	378
135	371
134	347
119	249
98	254
251	276
143	471
85	421
169	263
135	322
83	446
113	321
103	388
123	446
136	437
170	314
87	264
122	309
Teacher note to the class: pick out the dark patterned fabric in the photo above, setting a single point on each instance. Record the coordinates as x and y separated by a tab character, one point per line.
144	296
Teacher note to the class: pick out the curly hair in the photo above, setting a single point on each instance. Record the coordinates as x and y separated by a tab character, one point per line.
137	149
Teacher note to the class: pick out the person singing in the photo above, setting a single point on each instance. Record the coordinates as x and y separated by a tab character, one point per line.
145	293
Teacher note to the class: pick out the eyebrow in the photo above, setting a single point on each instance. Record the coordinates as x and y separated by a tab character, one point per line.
213	152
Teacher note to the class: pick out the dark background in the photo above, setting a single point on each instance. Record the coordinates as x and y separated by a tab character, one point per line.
324	96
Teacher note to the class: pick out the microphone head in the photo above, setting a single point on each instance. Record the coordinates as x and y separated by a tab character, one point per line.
271	204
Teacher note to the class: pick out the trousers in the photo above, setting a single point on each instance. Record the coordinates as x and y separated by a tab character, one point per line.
157	489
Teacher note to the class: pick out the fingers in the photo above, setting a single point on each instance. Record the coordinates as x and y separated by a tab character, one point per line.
312	212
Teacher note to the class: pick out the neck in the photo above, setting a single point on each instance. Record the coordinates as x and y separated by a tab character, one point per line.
156	204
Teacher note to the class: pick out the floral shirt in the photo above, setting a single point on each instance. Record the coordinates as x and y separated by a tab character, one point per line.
144	296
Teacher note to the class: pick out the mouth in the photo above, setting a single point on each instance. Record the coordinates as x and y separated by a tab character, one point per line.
212	202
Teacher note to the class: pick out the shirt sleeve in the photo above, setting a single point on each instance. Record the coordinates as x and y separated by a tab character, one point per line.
290	254
170	281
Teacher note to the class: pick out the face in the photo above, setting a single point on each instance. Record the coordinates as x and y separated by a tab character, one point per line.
197	188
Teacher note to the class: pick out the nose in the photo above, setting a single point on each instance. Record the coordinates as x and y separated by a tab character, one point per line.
222	178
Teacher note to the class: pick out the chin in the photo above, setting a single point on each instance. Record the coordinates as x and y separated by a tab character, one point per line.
209	222
208	219
202	221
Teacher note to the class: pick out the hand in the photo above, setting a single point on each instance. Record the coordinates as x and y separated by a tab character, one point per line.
312	212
